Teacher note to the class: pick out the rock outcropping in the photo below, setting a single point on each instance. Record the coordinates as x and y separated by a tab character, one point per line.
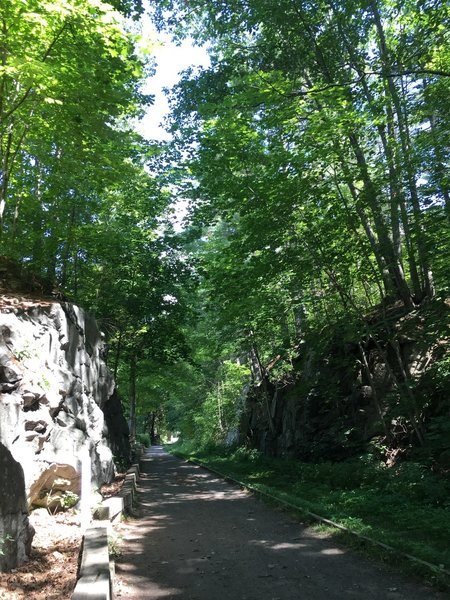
55	391
16	533
344	394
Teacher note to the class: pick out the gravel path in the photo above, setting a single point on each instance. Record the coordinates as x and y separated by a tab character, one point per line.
201	538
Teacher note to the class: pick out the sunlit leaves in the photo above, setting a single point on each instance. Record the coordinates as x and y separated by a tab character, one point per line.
312	151
68	75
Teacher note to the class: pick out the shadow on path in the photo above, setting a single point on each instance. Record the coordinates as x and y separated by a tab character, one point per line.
201	538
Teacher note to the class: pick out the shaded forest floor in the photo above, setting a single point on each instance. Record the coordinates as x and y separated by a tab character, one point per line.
51	572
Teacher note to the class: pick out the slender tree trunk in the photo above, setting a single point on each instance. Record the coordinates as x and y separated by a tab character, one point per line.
364	250
439	167
385	243
373	241
75	273
38	224
4	175
405	143
376	400
152	427
132	396
405	393
117	354
263	375
315	249
408	387
219	407
4	60
440	172
67	247
15	225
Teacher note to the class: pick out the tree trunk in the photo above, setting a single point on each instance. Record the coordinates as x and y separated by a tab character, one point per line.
117	355
385	243
263	376
368	373
132	397
219	407
439	167
67	247
426	285
152	428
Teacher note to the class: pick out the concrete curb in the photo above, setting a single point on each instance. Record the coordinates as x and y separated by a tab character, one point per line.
94	582
95	575
112	509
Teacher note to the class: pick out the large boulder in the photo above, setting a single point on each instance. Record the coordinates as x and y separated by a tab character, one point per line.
16	533
53	485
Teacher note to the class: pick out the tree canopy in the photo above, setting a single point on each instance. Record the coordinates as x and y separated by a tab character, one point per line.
313	154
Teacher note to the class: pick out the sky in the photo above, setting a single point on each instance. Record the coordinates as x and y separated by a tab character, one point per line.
171	60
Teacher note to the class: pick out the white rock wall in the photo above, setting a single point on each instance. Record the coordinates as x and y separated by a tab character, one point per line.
53	385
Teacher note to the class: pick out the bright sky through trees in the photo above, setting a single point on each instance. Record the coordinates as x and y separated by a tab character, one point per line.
170	61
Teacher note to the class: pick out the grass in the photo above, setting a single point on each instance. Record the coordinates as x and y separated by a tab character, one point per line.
406	507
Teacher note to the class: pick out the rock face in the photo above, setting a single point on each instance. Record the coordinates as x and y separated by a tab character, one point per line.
55	399
58	409
57	405
16	533
346	394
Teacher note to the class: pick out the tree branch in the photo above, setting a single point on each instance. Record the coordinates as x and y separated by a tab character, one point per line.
366	74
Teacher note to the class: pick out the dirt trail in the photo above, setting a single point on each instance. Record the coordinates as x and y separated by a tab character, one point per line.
200	538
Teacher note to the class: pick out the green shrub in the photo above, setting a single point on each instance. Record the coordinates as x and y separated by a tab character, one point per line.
144	439
246	454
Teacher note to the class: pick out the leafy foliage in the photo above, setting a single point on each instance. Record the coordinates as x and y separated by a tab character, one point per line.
313	154
78	205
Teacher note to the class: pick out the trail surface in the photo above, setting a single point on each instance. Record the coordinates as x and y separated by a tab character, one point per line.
201	538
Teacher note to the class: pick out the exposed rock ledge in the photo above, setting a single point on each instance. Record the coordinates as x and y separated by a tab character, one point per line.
55	388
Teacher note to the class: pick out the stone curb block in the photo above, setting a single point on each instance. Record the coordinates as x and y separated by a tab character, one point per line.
94	582
111	509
